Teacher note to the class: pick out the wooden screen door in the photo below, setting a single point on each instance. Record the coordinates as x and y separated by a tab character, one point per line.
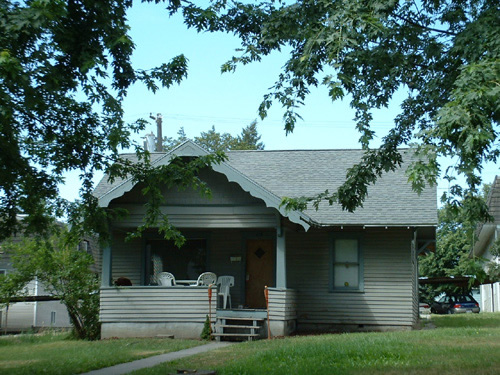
259	271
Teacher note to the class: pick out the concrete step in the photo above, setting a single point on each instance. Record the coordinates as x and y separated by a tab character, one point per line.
236	326
221	334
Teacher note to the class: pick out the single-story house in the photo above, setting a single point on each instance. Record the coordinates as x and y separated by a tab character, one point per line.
487	234
325	269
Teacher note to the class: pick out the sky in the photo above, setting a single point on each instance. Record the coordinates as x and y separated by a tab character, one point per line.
230	101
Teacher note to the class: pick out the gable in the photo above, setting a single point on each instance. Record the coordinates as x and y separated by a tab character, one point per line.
223	193
272	175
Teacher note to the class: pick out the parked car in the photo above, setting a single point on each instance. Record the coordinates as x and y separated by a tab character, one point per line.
455	304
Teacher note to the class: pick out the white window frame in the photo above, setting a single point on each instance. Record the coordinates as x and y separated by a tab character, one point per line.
360	264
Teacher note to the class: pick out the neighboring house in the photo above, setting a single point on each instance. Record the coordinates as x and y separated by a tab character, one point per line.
487	234
24	316
327	270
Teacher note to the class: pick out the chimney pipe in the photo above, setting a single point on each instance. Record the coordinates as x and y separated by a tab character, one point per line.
159	136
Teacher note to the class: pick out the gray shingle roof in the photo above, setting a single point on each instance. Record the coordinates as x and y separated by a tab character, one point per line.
295	173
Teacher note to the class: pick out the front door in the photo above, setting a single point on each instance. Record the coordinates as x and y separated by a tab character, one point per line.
259	271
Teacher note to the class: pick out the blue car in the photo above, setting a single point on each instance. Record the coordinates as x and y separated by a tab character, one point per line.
455	304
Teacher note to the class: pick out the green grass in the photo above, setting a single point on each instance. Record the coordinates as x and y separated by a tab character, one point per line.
462	345
58	354
467	320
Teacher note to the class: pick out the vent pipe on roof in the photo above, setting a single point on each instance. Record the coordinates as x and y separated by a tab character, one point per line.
149	142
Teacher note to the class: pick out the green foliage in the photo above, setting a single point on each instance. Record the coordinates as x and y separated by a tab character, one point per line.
443	55
214	141
65	272
65	68
454	242
180	173
206	333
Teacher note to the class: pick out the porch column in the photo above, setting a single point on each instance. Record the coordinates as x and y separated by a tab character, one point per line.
280	258
106	265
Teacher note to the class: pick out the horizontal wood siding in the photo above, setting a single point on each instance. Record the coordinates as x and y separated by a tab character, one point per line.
126	258
223	192
282	304
156	304
387	298
205	217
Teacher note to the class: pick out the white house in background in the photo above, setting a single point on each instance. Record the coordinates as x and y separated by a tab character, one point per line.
327	270
23	316
487	234
37	315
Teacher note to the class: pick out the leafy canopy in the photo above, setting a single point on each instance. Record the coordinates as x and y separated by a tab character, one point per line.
444	55
65	68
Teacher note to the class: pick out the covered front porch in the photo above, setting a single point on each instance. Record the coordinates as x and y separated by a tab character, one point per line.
181	312
256	258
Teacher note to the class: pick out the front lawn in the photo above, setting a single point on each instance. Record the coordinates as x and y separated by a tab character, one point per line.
461	344
57	354
472	346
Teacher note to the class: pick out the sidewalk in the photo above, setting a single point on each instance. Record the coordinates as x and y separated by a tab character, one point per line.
125	368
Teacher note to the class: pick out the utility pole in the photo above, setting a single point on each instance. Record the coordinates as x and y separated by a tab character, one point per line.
159	136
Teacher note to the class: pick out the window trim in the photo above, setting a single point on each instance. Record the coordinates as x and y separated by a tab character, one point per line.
346	289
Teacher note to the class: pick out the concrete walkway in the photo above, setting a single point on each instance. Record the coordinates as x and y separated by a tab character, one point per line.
125	368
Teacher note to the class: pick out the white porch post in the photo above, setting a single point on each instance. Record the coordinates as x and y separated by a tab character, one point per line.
280	258
106	265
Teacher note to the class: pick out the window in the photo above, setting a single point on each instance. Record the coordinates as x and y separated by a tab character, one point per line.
85	247
3	272
186	263
52	317
346	265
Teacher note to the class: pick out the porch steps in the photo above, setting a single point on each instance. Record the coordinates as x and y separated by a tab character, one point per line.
238	328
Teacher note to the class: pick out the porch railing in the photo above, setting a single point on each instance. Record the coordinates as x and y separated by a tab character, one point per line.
156	304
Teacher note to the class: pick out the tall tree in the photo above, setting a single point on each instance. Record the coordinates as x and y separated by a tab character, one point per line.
249	139
443	55
65	68
214	141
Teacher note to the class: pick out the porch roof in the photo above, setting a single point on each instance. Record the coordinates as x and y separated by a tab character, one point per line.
271	175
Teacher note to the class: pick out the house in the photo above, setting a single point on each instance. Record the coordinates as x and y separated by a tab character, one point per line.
487	234
40	310
326	270
23	316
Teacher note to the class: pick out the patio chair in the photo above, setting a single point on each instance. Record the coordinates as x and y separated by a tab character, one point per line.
206	279
166	279
224	284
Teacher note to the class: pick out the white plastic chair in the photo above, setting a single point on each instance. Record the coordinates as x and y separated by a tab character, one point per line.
224	284
166	279
206	279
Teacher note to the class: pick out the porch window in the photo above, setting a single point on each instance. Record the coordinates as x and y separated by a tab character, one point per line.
186	263
346	265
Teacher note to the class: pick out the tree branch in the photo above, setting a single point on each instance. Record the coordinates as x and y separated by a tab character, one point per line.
446	32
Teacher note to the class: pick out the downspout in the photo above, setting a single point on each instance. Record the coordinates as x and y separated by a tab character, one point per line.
35	309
